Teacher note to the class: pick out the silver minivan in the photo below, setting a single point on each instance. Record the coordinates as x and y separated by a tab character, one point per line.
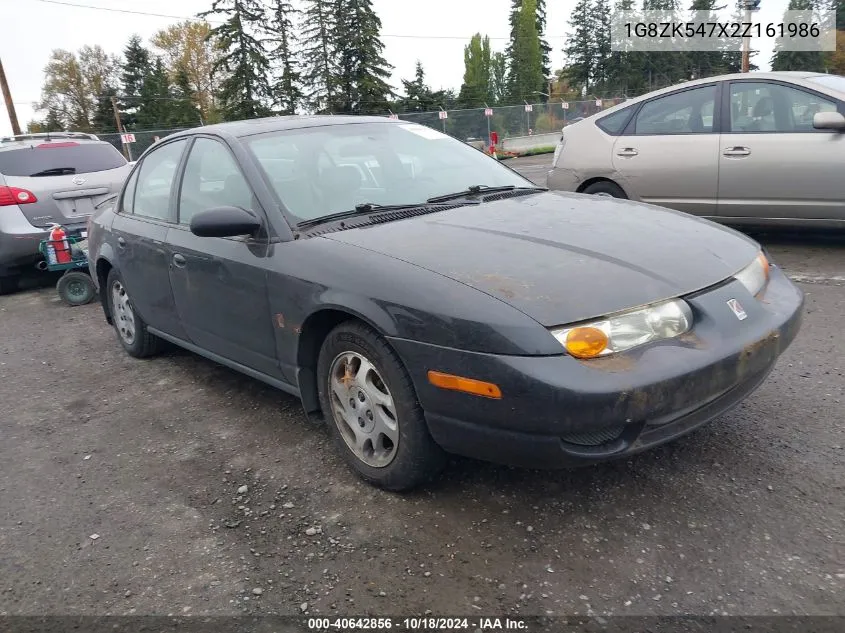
47	179
744	149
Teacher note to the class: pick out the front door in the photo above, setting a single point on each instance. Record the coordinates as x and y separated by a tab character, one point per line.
140	229
220	284
772	163
669	155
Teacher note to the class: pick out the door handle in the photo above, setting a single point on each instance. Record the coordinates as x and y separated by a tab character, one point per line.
121	243
179	261
736	151
627	152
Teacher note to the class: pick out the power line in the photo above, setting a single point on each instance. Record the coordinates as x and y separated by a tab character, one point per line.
182	17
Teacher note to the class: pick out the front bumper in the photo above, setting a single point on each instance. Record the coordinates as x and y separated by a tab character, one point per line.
557	411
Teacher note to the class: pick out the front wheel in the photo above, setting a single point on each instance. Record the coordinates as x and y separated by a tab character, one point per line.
131	329
369	403
607	189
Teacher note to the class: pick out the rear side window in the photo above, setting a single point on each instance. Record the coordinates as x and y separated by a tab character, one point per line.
686	112
615	123
60	158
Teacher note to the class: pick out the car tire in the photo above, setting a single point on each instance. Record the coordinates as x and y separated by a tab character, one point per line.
76	288
388	444
605	188
130	327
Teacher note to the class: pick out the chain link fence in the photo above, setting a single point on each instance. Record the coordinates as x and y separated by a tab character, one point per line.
143	140
473	125
477	124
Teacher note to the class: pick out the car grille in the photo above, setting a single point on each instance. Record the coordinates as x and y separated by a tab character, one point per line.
594	438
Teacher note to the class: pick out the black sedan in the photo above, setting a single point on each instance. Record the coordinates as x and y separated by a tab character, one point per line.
427	299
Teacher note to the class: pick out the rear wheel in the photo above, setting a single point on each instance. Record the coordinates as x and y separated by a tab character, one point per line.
605	188
369	403
76	288
131	329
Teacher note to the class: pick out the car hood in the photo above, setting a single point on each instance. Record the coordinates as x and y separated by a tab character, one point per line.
562	258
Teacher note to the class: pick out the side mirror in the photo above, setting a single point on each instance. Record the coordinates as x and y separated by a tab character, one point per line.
224	222
829	121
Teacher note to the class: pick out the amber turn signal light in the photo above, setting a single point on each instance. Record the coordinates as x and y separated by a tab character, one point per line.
586	342
466	385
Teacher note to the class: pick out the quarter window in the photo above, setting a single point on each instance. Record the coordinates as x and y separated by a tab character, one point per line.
614	123
212	179
687	112
155	181
767	107
129	193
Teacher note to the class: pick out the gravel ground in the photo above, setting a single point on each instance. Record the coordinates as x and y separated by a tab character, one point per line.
176	486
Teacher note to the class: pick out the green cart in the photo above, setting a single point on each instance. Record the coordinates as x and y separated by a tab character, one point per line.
75	287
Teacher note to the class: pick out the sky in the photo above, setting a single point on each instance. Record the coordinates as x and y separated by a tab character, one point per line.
433	31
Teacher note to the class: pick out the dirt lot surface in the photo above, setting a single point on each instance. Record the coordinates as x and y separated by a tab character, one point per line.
175	486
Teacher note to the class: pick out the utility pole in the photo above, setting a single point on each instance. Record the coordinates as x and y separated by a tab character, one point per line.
127	151
750	5
10	105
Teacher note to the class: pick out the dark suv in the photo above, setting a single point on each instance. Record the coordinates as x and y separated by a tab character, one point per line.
46	179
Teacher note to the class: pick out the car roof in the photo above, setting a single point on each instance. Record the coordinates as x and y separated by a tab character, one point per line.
251	127
799	77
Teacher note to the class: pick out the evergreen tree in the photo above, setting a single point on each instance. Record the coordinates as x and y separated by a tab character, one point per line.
580	46
362	70
600	23
103	119
183	111
663	68
526	77
136	66
418	95
287	92
245	90
475	91
155	99
318	54
797	60
55	121
705	63
541	30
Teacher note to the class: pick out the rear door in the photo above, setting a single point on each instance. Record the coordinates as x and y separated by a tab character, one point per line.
669	152
220	284
68	178
139	230
773	163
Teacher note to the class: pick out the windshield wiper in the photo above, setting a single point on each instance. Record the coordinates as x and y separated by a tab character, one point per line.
480	189
360	209
55	171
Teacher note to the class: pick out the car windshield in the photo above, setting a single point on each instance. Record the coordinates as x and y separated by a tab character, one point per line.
330	169
60	158
837	82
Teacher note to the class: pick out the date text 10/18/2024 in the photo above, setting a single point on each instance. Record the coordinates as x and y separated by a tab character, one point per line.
417	624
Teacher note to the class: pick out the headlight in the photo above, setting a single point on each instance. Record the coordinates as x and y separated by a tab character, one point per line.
626	330
755	275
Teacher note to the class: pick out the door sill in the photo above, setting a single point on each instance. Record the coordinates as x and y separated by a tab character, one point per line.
238	367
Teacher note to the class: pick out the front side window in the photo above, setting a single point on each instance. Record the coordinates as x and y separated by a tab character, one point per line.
322	170
155	181
687	112
767	107
212	179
